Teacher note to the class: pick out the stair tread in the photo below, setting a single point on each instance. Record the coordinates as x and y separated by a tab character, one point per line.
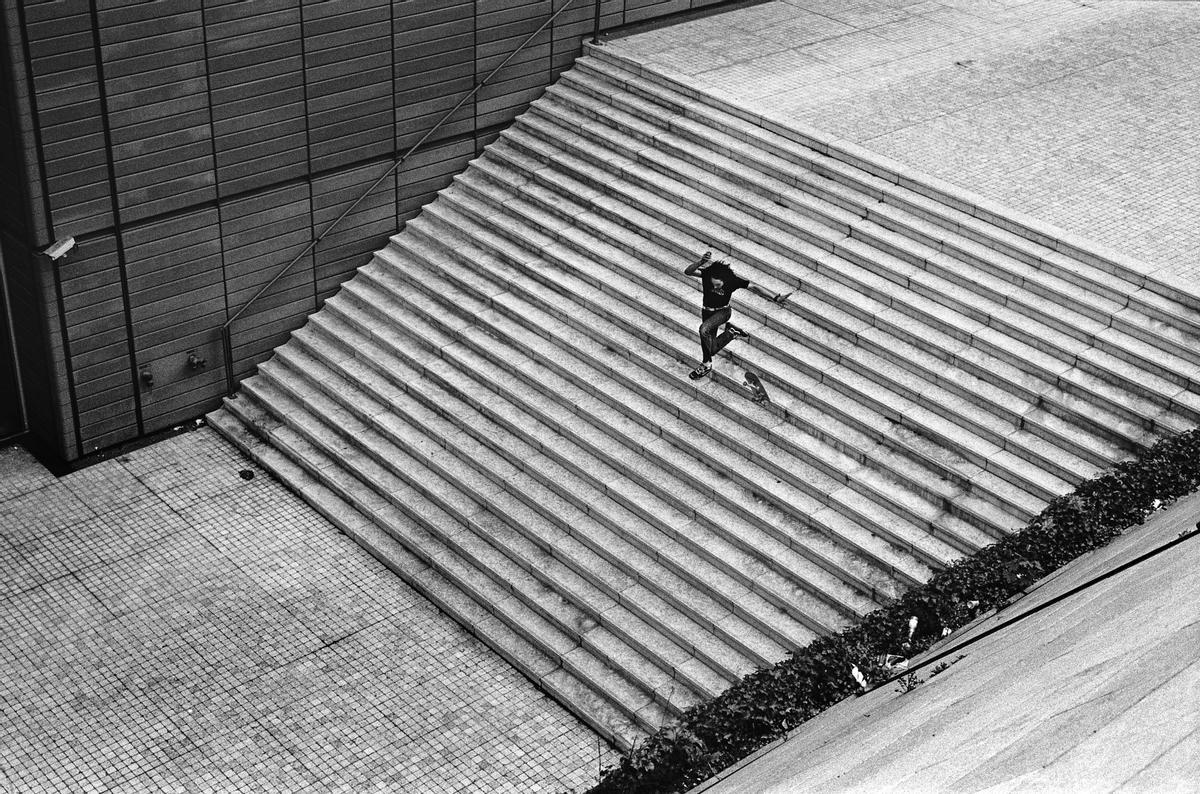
597	709
917	540
602	472
924	305
1064	461
496	405
561	475
1032	390
1039	309
535	287
563	331
937	287
619	85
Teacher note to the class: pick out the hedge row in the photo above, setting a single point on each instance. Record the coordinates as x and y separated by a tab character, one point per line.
771	701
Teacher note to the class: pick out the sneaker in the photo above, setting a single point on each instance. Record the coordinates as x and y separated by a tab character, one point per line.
700	371
738	333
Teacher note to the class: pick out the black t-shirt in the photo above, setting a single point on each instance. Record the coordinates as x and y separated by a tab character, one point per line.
719	283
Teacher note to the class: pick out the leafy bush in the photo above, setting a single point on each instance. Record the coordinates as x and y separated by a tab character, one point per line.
769	702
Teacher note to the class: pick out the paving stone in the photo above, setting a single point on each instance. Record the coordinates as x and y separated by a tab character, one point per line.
106	486
20	473
48	509
180	563
329	730
18	572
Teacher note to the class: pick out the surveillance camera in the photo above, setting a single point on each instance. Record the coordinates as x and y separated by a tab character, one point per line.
60	248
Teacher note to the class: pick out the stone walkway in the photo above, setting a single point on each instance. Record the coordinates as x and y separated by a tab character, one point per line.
170	626
1081	113
1096	693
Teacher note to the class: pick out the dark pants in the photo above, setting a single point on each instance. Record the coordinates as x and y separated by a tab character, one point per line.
711	320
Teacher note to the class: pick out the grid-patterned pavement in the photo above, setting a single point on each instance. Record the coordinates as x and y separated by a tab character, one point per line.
170	626
1080	113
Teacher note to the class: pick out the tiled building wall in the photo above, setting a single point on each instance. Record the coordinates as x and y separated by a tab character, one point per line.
191	147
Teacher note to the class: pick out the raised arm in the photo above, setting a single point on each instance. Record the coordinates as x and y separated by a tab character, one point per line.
695	268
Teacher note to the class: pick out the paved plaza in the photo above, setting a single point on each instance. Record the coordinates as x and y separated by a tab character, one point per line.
1080	113
1095	693
169	625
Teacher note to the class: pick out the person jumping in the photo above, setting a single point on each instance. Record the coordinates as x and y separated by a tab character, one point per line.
720	282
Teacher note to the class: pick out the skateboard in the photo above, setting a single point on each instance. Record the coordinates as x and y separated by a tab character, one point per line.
758	392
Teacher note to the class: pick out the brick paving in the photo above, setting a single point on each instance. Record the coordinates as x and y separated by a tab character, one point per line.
1081	113
171	626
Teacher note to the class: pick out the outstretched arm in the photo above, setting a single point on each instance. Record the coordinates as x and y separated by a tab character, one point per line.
695	268
763	292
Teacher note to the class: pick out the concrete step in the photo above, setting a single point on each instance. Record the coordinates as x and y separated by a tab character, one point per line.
861	283
611	232
1069	341
523	368
1140	341
661	407
817	370
772	149
580	540
1056	427
693	560
999	254
545	557
885	525
839	219
669	600
859	507
396	540
497	405
664	505
953	530
453	547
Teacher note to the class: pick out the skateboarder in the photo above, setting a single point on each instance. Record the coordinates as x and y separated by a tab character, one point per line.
719	284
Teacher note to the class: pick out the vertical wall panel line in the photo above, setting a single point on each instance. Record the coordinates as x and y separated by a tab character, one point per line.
212	133
62	323
27	244
212	137
37	129
474	70
117	226
312	199
395	147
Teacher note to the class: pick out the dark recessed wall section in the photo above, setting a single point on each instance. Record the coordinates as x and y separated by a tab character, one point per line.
192	147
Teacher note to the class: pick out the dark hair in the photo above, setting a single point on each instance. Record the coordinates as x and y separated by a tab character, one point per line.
719	269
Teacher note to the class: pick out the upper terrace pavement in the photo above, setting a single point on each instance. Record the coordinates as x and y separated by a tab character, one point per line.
1081	113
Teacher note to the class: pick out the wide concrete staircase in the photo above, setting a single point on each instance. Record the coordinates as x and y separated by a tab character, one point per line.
498	405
